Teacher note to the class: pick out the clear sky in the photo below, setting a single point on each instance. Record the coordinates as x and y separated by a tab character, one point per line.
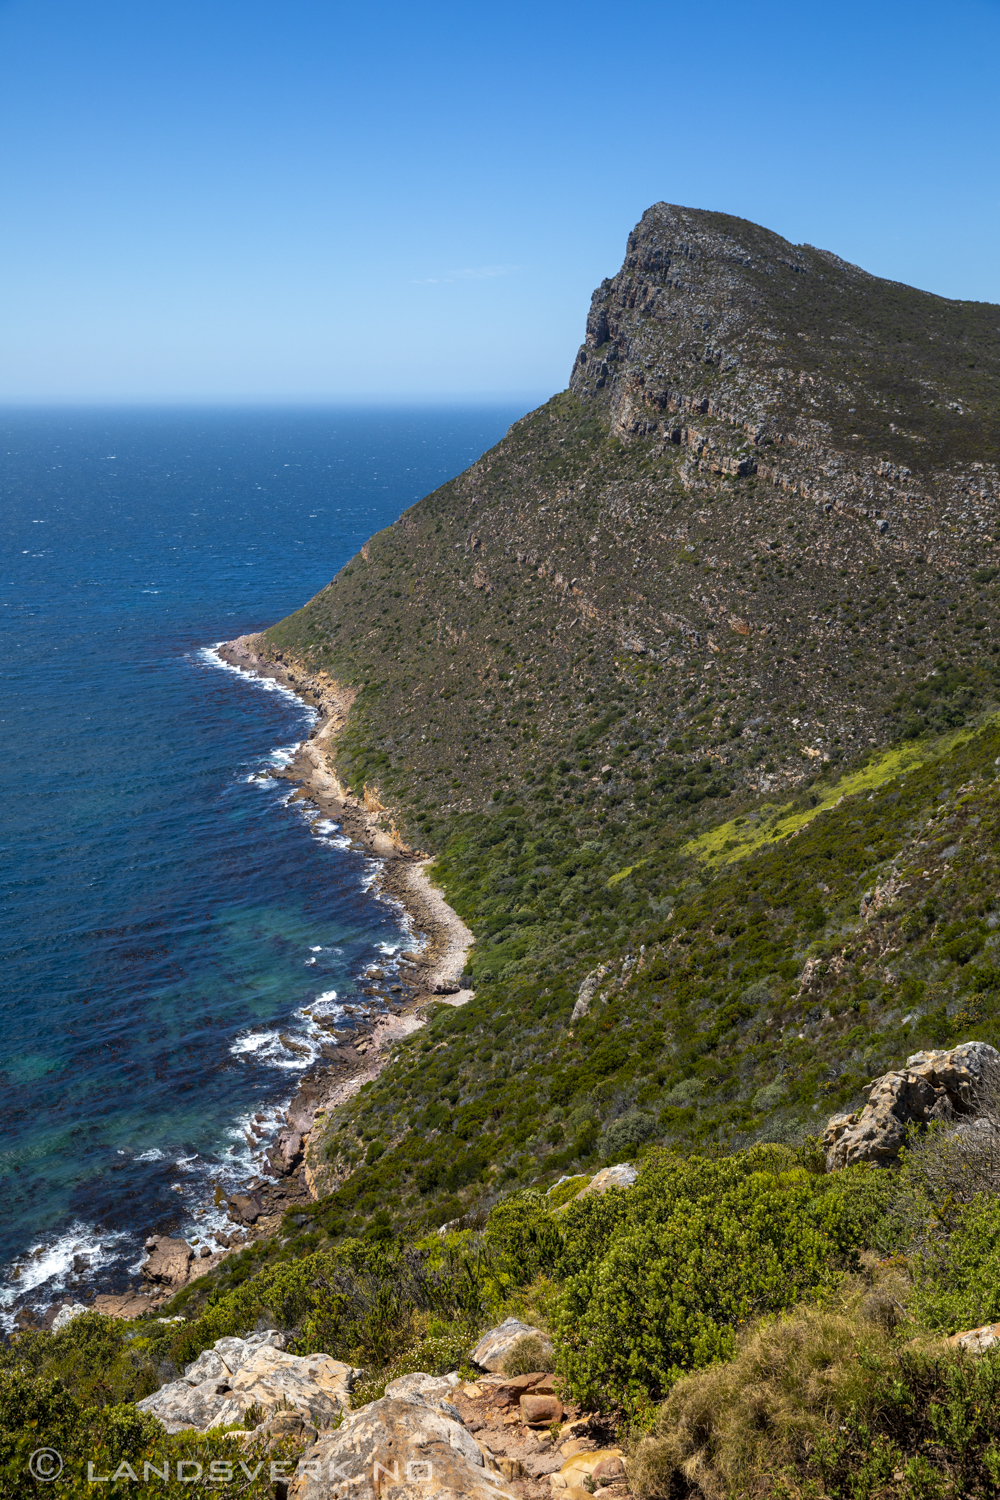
309	200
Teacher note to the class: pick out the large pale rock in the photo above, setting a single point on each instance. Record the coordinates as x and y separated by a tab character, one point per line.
399	1448
977	1340
933	1085
314	1385
495	1345
66	1314
620	1176
168	1263
432	1388
224	1382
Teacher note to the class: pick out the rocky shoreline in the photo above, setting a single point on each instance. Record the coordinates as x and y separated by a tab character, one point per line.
435	971
295	1172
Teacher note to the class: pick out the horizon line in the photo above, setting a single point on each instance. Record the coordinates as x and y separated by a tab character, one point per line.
229	403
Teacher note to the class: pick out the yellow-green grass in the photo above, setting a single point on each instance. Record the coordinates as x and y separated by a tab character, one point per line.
739	837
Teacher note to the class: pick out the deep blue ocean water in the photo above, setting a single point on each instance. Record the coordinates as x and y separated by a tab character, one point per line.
166	915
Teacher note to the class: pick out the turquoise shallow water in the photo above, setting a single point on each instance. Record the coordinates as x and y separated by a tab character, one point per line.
166	915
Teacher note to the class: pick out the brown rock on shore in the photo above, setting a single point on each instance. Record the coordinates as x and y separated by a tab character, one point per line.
166	1267
436	971
124	1305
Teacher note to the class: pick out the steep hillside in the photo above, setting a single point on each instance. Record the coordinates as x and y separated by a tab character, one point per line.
747	551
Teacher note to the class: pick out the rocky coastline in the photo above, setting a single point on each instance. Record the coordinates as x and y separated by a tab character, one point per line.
432	971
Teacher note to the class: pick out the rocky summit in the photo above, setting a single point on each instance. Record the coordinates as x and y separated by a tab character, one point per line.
771	485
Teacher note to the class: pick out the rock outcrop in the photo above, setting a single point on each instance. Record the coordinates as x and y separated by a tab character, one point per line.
66	1314
586	993
932	1086
235	1375
168	1263
409	1447
495	1345
621	1176
286	1153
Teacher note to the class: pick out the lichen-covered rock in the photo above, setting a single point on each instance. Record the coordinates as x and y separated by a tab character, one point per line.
399	1448
225	1382
580	1468
495	1345
432	1388
933	1085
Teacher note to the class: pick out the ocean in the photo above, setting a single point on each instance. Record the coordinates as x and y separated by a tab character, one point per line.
167	915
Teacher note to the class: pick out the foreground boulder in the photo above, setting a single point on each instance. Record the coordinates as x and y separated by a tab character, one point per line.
495	1345
409	1447
224	1382
932	1086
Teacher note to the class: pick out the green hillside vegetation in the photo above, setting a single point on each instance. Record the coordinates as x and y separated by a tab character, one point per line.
747	1324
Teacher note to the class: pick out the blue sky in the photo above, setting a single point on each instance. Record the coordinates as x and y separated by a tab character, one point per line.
322	202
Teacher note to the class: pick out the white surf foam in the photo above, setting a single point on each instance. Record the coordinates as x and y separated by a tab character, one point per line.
47	1267
268	1047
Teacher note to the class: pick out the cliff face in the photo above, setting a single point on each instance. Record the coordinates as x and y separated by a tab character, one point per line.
750	548
768	501
787	348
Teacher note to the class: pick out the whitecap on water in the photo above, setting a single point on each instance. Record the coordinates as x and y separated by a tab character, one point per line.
282	755
152	1155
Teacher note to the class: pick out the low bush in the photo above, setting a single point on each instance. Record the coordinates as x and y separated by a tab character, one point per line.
527	1355
660	1280
824	1404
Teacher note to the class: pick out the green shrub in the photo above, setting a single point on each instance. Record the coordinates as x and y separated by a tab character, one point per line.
660	1279
957	1275
623	1134
821	1403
